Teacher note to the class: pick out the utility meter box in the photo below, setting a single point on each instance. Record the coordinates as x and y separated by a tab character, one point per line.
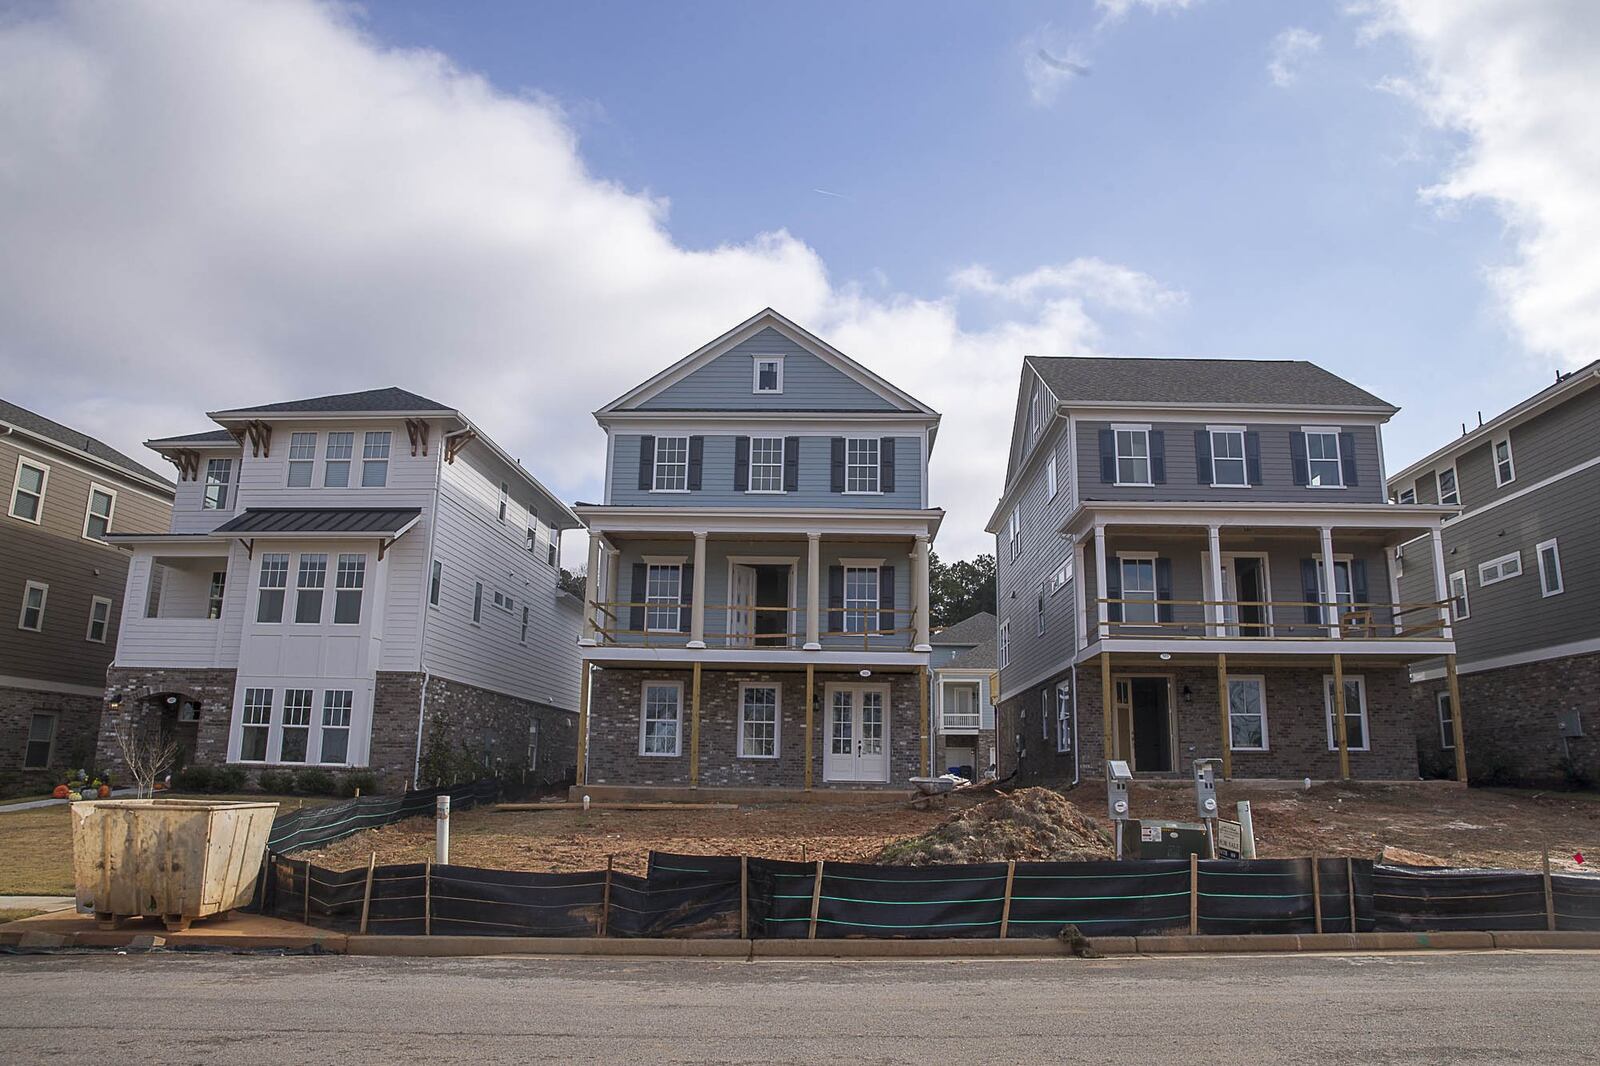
1171	840
1118	778
1205	789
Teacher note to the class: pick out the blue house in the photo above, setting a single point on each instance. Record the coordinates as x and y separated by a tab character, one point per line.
757	613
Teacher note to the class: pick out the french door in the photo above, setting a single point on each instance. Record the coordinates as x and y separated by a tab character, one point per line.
858	734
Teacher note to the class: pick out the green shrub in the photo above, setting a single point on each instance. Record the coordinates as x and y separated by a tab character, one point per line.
277	782
231	779
315	783
365	780
195	779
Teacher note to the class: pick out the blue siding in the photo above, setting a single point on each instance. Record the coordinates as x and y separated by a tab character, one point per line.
809	383
815	478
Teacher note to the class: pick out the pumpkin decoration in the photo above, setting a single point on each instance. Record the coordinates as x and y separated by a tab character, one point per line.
61	792
104	792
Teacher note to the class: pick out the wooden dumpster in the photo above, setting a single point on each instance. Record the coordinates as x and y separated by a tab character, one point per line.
173	859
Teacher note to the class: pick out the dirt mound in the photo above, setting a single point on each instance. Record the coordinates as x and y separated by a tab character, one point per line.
1029	825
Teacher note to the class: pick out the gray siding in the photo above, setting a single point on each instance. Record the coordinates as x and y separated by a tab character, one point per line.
1277	470
815	478
1540	448
809	384
1040	550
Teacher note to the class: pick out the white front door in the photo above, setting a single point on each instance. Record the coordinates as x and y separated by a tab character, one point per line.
858	734
741	607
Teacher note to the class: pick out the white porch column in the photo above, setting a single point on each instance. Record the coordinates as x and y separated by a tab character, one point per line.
813	589
697	609
1330	580
591	589
919	594
613	568
1104	615
1080	600
1441	583
1214	611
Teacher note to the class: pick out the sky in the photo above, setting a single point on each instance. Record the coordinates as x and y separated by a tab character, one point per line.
523	209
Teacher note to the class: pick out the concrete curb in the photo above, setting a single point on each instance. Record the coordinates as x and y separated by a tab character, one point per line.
451	946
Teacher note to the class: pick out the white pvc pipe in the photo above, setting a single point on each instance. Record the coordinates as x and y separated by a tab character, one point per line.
441	830
1247	831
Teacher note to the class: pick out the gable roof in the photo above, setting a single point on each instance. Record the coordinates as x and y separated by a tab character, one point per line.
391	400
968	631
767	318
50	430
985	656
210	436
1200	382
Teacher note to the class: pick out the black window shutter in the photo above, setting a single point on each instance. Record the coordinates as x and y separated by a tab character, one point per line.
685	597
1158	457
647	462
1114	587
1308	585
1252	457
1202	456
1108	457
837	465
636	594
697	461
1358	580
835	599
1297	456
1164	590
1347	459
741	464
791	464
886	464
886	598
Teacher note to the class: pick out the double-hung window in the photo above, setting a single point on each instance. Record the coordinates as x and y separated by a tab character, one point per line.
219	476
375	459
41	742
1063	717
861	464
477	602
27	493
672	464
1502	569
1005	643
295	733
1460	607
663	597
768	374
97	516
336	725
1138	589
1039	609
1505	470
1355	713
1549	554
435	580
215	591
99	620
1447	730
1050	476
34	595
349	582
255	718
336	460
524	637
1449	490
766	464
274	580
1247	713
1014	531
1227	458
1323	465
313	579
758	721
661	719
1407	496
505	495
302	455
1133	455
860	599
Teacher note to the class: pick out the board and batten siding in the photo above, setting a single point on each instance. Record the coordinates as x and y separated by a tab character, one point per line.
1042	549
725	383
1277	469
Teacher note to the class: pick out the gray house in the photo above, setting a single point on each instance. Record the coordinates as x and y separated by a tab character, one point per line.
758	594
1522	566
1193	558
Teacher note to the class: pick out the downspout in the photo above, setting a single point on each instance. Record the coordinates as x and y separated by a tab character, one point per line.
422	640
422	715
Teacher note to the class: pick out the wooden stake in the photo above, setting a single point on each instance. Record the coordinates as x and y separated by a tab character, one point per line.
1316	891
816	901
1455	718
1227	727
1005	911
1549	894
366	897
1338	718
427	896
744	897
811	751
605	899
305	916
1350	879
1194	894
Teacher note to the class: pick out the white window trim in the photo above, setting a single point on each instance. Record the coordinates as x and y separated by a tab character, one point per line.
876	466
1050	476
477	604
44	601
1499	565
1465	597
288	463
16	483
1494	460
229	499
1455	476
1338	454
1244	459
1063	717
1155	590
777	720
755	375
1039	611
750	473
1060	577
88	633
111	515
1411	492
1116	452
677	606
1266	738
1544	579
677	735
433	602
1447	733
27	739
655	463
1005	643
1366	721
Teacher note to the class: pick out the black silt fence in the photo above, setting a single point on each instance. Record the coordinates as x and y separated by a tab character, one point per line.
1281	896
1577	901
857	900
1100	898
317	827
467	901
1414	899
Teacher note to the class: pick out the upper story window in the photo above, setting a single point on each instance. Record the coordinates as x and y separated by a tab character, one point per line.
34	596
861	464
302	455
505	492
27	492
1005	643
1014	531
375	460
274	579
1460	604
1133	455
672	464
1323	465
1449	490
1227	457
308	590
766	464
435	579
1036	413
768	374
1505	470
1407	496
97	517
1050	476
349	582
336	460
1549	555
215	591
1138	589
862	598
664	596
1502	569
99	619
219	475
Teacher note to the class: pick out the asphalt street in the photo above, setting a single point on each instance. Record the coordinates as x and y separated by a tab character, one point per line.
220	1009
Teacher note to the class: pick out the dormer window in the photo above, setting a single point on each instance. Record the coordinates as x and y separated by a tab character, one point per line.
768	374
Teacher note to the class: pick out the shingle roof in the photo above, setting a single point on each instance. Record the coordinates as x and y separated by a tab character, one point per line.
1085	379
375	400
985	656
25	419
974	630
374	520
210	436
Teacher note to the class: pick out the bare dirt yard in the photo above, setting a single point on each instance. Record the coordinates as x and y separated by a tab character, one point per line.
1505	828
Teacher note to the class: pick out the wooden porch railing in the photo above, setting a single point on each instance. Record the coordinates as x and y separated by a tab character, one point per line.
1172	619
613	626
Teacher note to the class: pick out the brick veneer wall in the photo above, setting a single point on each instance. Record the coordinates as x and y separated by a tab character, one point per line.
615	706
1509	720
1296	727
985	740
491	730
205	742
77	725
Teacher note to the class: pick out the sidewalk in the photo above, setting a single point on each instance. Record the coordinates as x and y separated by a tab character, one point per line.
36	903
31	805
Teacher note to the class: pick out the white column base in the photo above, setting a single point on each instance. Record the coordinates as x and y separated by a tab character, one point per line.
587	642
809	646
922	647
697	645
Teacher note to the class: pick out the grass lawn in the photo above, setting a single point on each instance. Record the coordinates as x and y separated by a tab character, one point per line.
11	914
36	845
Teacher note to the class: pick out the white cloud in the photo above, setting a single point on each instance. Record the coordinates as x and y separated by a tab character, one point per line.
1288	51
1116	9
1517	80
203	205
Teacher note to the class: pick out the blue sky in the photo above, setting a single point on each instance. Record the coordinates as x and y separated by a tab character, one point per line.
522	209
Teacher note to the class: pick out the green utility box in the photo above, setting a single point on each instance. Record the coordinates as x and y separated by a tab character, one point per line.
1169	840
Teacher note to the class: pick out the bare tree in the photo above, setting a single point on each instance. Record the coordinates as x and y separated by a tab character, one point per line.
148	752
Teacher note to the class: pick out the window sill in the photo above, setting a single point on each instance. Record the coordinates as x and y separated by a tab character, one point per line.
766	492
1134	484
660	755
1259	751
862	492
30	521
758	758
669	492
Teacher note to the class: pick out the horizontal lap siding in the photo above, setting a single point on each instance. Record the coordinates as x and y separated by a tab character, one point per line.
815	478
725	384
1042	550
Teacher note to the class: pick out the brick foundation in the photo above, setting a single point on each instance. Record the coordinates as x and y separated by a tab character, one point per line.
944	759
615	708
77	726
142	692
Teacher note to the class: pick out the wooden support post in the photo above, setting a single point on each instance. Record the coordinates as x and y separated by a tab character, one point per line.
1223	708
1350	880
1194	894
583	723
1455	717
366	897
694	729
427	896
1549	894
305	916
922	716
1316	891
1339	732
1005	910
1105	698
744	897
811	751
605	897
816	902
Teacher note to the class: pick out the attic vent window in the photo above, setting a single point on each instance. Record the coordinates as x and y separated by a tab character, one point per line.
768	374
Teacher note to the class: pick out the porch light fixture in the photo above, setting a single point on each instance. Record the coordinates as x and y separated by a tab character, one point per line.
172	701
114	701
1165	656
866	673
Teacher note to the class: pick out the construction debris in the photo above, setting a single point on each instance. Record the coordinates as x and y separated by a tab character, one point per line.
1030	825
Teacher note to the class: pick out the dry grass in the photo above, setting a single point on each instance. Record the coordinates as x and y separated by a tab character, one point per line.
12	914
